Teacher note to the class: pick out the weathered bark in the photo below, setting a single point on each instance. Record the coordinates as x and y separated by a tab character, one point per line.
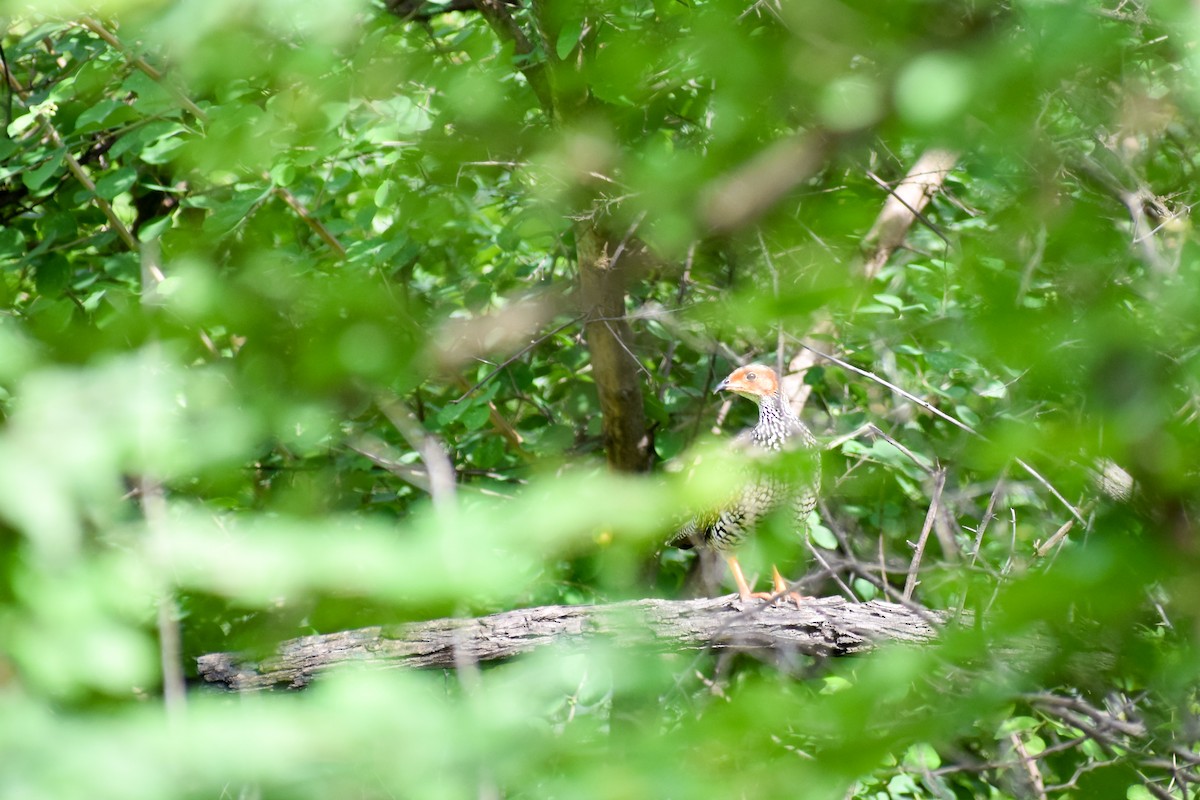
614	367
903	207
828	626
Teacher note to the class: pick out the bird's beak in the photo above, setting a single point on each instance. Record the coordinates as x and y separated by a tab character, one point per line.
722	386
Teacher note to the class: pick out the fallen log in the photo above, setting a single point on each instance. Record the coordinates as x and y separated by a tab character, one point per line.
828	626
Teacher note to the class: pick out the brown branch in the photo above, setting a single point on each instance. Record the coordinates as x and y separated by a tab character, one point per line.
740	198
904	206
76	169
823	626
500	424
307	218
507	30
439	469
939	483
97	27
81	175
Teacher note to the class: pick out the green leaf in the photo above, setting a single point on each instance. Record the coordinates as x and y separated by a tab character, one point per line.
114	183
234	211
568	37
450	413
34	179
142	135
1016	724
96	115
22	123
831	684
669	444
475	417
151	98
922	757
154	228
890	300
52	274
12	242
865	589
822	536
283	173
876	308
162	149
385	193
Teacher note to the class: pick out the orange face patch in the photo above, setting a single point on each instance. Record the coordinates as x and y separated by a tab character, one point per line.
752	379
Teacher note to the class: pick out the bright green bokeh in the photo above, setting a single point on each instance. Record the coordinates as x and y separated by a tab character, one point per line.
343	221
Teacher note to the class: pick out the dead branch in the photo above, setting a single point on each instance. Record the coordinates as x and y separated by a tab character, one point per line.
904	206
828	626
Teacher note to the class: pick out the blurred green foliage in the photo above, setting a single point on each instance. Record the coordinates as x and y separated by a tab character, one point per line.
253	253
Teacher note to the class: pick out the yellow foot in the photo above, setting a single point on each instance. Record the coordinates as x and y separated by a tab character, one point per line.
782	590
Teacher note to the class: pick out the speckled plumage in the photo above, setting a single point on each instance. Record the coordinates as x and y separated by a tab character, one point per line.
778	429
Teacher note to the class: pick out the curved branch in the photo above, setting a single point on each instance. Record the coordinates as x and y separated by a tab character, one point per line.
501	21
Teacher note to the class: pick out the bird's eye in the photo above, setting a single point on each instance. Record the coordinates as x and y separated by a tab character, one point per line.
750	376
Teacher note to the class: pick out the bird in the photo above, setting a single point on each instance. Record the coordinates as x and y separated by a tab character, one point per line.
724	526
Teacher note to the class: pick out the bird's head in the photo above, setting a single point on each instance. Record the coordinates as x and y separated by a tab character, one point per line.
753	381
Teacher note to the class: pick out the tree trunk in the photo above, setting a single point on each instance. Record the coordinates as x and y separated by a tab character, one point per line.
609	337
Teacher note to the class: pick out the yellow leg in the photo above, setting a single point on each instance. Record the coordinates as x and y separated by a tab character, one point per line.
781	587
740	579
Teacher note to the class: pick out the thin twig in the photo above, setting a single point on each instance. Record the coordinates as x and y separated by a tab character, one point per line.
1049	544
1031	767
76	169
910	583
846	590
875	429
1050	488
1034	261
989	514
630	231
668	359
1006	570
943	415
514	357
860	571
315	224
925	404
916	214
636	362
